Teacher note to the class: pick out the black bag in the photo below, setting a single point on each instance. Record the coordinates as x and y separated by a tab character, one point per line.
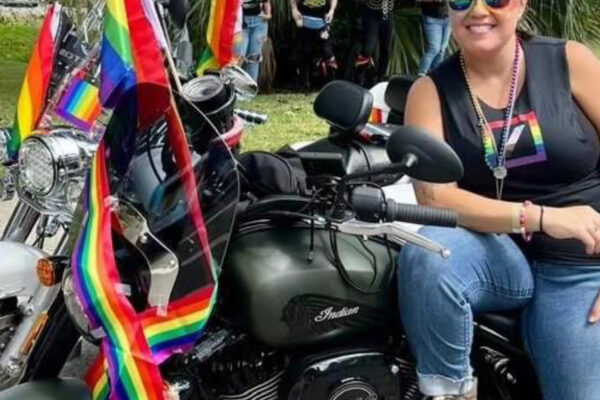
265	173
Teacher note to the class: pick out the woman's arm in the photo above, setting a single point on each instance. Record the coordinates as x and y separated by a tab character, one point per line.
584	71
266	10
475	212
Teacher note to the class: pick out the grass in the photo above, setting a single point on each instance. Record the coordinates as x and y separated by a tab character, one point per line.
290	115
16	42
291	119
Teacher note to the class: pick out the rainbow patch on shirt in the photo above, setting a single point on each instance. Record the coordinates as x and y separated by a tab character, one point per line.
525	131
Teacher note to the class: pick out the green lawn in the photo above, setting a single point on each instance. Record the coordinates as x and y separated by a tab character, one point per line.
290	116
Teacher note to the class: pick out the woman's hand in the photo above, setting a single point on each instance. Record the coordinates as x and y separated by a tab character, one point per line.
265	16
329	16
579	222
297	17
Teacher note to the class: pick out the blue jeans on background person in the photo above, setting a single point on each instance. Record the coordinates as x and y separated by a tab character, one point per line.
437	35
254	34
489	273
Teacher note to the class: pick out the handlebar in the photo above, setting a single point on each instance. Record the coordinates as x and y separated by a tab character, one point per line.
370	205
251	117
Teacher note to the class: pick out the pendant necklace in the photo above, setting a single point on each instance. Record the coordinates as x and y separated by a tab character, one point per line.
495	154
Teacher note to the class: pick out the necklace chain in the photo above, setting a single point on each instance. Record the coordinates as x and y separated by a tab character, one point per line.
495	155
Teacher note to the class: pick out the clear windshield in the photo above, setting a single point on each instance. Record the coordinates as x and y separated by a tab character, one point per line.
175	220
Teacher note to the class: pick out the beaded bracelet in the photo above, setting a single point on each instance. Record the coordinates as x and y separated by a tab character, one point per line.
522	222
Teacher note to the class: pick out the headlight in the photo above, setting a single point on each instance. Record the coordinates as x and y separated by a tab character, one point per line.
75	308
4	139
52	168
37	167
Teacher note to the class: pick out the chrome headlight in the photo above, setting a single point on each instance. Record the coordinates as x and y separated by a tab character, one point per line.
4	139
52	169
37	167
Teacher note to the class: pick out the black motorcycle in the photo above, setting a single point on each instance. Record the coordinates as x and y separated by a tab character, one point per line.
303	245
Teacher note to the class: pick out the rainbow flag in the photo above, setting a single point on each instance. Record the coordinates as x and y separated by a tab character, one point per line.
133	81
80	105
34	90
176	331
224	28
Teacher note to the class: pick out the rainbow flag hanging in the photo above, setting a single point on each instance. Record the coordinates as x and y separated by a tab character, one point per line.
34	89
224	28
80	105
176	331
133	81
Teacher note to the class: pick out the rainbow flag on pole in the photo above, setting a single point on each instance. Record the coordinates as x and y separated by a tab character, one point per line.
134	81
224	28
34	90
80	105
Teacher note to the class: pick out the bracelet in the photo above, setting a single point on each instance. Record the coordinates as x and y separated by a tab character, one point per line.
542	219
522	221
515	225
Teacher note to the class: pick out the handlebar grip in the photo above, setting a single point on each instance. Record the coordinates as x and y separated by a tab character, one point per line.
251	117
370	205
422	215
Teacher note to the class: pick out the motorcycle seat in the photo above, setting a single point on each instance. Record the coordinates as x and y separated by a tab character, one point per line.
504	323
64	389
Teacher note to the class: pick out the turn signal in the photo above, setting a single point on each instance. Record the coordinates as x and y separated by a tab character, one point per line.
48	272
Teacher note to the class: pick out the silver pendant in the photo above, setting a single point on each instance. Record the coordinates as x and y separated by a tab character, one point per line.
500	172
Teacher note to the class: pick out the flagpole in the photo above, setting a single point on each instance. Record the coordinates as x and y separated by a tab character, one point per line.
172	67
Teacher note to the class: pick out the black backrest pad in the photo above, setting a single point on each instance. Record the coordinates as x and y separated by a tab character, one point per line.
396	92
344	105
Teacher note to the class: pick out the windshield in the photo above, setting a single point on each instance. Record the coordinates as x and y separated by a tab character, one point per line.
174	222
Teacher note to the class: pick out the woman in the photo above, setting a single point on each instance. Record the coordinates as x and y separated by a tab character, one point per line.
436	30
314	19
538	97
255	27
378	27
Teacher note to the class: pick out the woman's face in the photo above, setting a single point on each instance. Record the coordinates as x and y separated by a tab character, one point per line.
482	29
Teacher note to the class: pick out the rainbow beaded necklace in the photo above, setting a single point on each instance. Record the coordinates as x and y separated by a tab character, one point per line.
494	155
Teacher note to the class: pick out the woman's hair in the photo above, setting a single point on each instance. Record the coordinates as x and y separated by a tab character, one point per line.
525	34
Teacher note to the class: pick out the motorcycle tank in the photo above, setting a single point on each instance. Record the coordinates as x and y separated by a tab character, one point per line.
286	300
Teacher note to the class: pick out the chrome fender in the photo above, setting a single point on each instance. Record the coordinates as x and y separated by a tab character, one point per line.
18	269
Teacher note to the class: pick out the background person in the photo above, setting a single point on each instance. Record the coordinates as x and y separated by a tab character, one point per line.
255	28
537	100
436	31
314	19
377	29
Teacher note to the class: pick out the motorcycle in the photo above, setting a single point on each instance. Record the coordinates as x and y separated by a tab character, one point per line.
305	255
48	179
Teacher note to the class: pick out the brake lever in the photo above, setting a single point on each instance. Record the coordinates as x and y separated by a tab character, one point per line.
396	229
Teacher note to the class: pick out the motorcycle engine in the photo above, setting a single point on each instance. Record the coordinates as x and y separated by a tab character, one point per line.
364	375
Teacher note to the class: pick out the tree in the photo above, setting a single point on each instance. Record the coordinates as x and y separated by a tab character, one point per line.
570	19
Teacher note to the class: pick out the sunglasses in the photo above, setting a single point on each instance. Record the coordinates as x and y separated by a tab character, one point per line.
463	5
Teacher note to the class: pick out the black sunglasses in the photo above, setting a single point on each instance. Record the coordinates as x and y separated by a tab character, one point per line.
462	5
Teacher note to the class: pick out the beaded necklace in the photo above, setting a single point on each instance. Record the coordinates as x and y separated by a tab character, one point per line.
495	156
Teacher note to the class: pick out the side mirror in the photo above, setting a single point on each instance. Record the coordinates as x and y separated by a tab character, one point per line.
178	10
424	157
246	88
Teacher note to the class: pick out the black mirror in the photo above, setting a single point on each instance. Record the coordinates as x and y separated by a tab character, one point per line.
178	10
426	158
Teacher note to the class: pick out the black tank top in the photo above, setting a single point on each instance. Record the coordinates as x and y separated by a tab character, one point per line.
552	151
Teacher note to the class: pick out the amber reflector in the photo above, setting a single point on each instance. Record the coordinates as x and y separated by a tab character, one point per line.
46	273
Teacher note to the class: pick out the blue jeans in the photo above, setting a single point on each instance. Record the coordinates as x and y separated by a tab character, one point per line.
489	273
437	36
254	35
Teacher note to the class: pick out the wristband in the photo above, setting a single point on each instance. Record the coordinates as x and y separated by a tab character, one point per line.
542	219
523	221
